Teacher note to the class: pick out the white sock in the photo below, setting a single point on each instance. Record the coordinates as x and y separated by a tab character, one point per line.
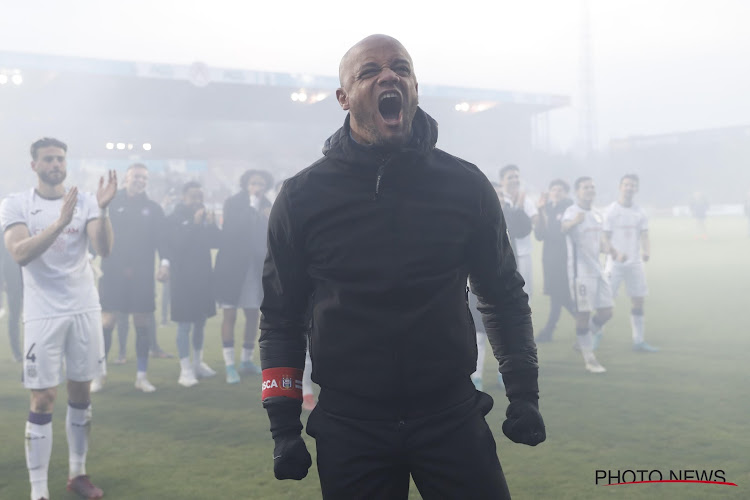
228	356
636	322
140	375
586	341
38	452
481	349
78	427
247	354
186	365
197	359
307	387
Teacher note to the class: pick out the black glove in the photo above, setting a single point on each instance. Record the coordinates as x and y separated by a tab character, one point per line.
524	423
291	460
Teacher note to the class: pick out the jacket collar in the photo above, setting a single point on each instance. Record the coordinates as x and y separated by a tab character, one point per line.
342	147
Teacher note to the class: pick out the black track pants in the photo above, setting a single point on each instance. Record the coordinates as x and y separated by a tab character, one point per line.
450	455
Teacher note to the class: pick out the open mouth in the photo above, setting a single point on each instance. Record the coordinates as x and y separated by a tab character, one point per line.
389	105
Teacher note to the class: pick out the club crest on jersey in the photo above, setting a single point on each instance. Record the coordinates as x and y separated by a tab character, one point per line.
286	382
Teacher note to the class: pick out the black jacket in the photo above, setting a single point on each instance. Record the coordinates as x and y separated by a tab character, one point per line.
138	227
243	237
382	243
191	265
554	249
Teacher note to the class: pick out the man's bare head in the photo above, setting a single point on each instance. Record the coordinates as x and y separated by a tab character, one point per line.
350	56
379	89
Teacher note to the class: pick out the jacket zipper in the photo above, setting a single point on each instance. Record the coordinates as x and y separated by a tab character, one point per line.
381	168
378	180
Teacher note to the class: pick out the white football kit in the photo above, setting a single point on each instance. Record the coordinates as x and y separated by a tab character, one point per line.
626	225
62	318
589	288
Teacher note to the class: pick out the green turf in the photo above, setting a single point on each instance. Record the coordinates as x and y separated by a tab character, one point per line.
683	408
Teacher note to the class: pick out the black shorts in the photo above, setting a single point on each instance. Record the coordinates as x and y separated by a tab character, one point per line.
118	294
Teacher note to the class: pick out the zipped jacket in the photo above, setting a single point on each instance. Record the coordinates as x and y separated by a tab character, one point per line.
369	249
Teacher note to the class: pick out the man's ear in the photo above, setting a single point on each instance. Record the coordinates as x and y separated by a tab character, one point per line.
342	98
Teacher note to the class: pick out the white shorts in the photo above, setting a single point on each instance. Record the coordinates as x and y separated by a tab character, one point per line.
523	262
633	274
74	342
590	293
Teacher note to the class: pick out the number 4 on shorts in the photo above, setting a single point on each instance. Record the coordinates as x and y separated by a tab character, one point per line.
29	354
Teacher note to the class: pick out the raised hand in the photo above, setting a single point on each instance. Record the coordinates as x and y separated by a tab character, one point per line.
198	216
521	199
68	207
106	194
542	201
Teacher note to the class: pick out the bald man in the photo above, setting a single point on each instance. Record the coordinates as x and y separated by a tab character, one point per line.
370	249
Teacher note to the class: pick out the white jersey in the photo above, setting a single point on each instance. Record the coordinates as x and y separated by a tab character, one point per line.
584	243
523	245
626	224
59	282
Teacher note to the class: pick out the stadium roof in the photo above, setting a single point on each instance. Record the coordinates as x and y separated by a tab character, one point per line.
201	112
202	75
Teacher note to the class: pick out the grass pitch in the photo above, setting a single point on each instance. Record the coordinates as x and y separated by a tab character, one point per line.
683	408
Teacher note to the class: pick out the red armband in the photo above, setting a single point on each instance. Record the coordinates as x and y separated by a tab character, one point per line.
282	381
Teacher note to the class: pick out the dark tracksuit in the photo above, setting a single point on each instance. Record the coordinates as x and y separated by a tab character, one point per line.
381	243
554	262
242	242
191	266
127	283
